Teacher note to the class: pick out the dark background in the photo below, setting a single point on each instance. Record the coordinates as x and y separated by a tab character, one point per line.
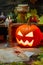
9	5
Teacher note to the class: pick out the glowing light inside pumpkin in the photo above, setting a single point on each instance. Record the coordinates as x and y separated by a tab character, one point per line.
29	34
19	33
26	42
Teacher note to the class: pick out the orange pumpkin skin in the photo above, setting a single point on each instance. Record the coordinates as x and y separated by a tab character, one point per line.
28	35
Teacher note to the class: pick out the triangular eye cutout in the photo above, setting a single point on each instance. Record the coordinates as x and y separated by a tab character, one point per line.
19	33
29	34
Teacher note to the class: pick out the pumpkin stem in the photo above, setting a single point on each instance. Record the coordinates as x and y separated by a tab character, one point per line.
29	23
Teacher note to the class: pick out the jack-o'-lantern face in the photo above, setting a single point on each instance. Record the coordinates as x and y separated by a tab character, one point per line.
28	35
24	39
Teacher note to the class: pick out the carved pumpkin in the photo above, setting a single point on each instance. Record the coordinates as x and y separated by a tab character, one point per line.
28	35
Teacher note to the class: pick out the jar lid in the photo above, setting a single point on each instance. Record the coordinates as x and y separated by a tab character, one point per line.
22	8
21	5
